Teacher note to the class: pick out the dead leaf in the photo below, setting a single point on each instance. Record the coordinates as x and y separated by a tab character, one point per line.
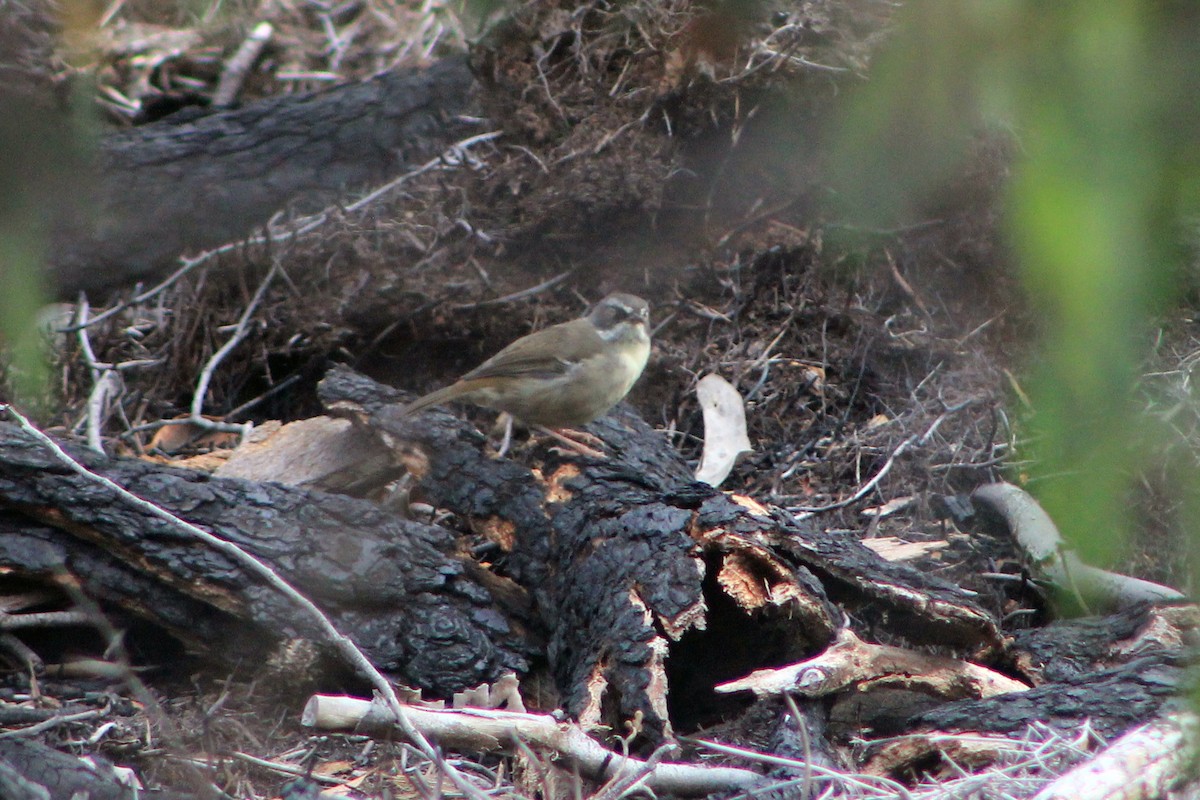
724	429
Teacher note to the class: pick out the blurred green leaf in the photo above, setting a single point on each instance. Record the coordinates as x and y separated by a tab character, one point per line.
1102	105
41	181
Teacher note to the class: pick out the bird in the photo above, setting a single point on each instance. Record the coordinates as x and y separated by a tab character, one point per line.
562	376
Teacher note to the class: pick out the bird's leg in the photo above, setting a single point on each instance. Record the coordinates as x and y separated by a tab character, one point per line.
575	441
507	440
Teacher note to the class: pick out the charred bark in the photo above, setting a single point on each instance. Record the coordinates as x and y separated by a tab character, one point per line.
38	551
1111	700
398	588
645	578
1066	649
30	770
183	185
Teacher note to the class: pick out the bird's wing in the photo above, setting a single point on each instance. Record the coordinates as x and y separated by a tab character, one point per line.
529	356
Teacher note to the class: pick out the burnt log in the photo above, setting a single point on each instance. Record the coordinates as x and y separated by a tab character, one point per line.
398	588
645	579
1066	649
30	770
1111	700
189	183
42	552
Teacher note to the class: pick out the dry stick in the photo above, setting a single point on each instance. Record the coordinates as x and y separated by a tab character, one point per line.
43	619
235	70
454	156
282	386
624	784
239	333
53	722
339	641
24	654
520	294
102	381
478	729
903	447
285	769
805	742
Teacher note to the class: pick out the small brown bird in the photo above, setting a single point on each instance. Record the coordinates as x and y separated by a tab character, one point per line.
565	375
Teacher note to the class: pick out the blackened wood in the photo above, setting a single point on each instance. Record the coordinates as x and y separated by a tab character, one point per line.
33	550
177	187
26	764
1068	648
397	587
610	573
1112	700
641	574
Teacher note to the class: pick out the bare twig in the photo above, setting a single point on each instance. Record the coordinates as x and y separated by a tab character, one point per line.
340	642
805	742
104	383
627	782
53	722
284	769
481	729
236	68
864	783
43	619
902	448
243	328
282	386
522	294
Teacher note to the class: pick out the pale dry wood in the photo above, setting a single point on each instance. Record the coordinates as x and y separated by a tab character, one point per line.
1142	765
239	66
896	549
1038	536
319	452
491	730
850	661
967	751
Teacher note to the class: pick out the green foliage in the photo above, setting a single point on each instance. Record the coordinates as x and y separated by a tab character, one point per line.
41	182
23	231
1102	105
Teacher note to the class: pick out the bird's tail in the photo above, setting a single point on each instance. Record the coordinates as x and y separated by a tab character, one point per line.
435	398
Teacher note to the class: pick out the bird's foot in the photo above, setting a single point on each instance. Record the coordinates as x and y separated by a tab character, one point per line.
576	441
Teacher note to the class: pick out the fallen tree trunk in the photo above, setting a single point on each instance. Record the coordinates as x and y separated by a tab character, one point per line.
646	579
180	186
647	587
1112	700
398	588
